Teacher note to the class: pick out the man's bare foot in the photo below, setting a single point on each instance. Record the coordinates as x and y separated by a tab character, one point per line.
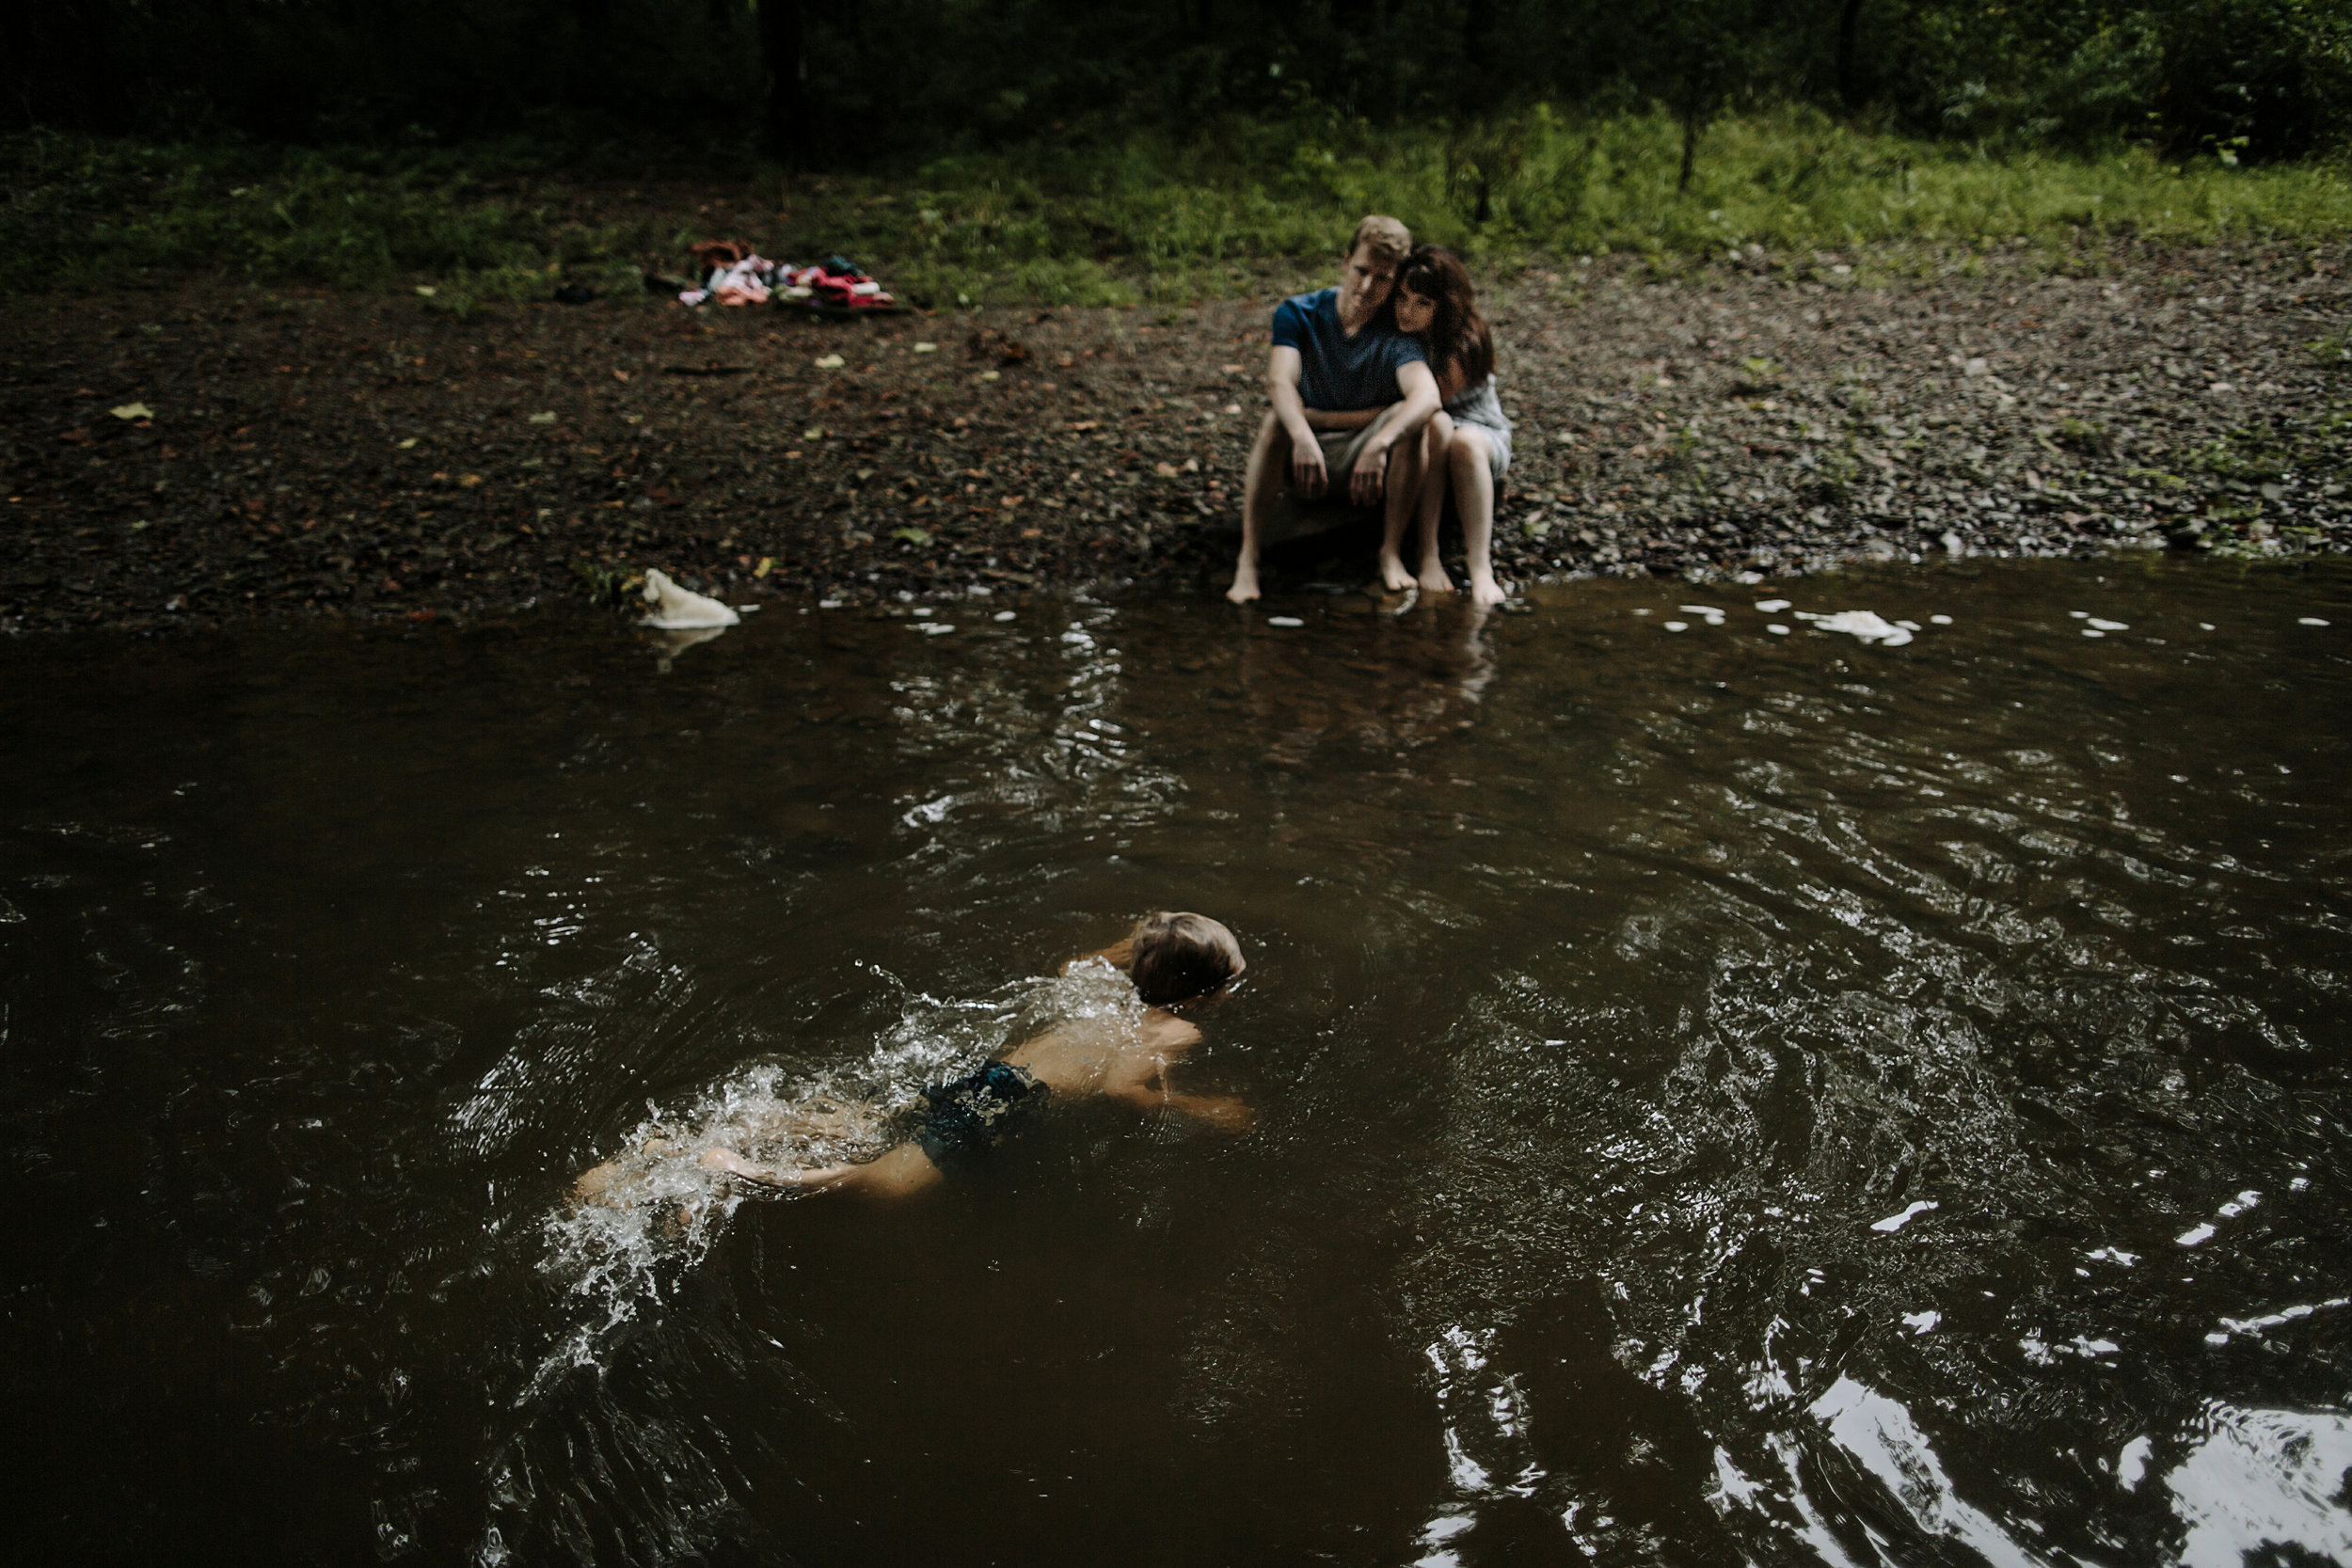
1244	583
1394	576
1485	590
1433	579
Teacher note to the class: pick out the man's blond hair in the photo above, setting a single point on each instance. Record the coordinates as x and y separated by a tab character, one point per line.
1389	238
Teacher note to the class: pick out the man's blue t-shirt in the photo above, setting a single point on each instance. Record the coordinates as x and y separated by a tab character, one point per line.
1341	375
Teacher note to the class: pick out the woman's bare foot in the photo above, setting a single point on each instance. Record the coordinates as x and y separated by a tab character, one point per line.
1244	583
1485	590
1394	576
1433	579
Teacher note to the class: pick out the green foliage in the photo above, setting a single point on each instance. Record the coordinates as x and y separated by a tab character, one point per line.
1238	207
1089	221
85	211
889	80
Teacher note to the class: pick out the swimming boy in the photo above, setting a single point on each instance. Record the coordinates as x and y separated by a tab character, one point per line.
1171	960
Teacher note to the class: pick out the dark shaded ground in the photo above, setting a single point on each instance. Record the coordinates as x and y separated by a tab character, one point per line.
341	454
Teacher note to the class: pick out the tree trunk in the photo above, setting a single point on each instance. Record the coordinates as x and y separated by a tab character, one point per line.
1689	137
1847	20
784	130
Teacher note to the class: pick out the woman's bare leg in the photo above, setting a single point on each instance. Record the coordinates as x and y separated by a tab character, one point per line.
1474	498
1438	443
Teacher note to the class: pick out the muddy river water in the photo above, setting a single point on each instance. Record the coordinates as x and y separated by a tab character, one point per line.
1721	1095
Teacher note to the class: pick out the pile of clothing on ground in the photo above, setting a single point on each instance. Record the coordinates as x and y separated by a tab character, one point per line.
733	274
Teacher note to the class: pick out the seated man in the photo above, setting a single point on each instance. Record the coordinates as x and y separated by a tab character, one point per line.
1350	394
1170	958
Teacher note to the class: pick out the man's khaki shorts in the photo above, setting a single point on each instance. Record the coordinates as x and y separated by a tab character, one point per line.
1296	516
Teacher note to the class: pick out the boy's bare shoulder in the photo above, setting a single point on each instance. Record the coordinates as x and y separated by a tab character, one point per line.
1164	1031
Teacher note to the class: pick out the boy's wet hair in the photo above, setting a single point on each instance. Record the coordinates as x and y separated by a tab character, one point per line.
1177	956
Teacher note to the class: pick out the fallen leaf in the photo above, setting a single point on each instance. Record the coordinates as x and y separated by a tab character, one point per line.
1231	370
911	535
74	437
1166	470
543	419
620	375
1085	424
427	291
132	411
469	481
927	348
405	445
829	362
767	565
1031	533
813	434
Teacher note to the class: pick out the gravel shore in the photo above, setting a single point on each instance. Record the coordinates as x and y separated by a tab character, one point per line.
215	452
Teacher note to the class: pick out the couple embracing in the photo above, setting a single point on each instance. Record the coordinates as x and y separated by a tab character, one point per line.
1384	395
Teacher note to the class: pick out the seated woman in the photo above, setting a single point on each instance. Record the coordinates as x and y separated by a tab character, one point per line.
1467	444
1125	1054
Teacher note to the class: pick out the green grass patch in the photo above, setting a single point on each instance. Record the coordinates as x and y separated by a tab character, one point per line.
1103	218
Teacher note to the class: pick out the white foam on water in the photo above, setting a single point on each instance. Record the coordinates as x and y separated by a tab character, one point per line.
2256	1479
1939	620
2239	1204
2131	1465
1005	615
1732	1486
2113	1255
2092	631
1777	629
1880	1436
2109	626
1896	1222
1863	624
2274	1319
1771	607
2309	621
2196	1235
2079	614
2204	625
1284	620
1677	625
1922	1322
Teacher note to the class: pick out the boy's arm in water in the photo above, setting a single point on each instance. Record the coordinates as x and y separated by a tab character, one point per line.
1140	1077
595	1182
903	1172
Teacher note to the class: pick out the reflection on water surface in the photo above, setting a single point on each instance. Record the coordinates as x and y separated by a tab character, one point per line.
1724	1096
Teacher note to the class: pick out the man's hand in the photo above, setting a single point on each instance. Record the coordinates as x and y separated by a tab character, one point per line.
1371	478
1308	478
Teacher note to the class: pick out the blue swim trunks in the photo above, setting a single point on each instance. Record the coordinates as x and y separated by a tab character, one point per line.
968	1118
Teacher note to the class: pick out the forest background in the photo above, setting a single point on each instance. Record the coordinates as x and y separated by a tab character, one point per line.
1060	151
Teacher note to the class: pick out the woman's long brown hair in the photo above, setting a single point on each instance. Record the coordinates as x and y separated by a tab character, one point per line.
1457	334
